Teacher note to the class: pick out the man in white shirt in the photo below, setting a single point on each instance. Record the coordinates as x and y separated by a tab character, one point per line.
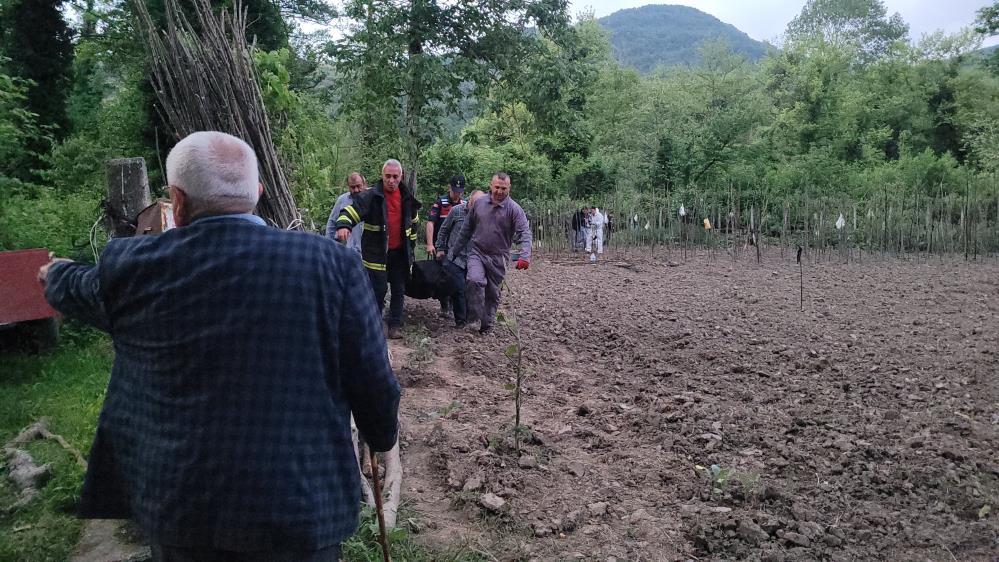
597	222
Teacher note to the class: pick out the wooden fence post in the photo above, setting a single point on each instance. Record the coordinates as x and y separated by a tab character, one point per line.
128	193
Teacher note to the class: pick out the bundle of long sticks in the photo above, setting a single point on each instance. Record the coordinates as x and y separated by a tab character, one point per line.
204	80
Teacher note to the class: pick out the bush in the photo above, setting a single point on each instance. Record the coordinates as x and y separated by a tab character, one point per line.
586	179
77	164
45	219
20	134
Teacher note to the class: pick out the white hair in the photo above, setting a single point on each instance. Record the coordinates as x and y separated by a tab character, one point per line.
217	171
392	162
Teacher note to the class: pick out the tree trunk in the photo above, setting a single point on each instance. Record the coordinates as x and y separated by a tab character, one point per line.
415	96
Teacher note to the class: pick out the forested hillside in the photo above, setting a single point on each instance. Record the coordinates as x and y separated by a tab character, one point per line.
664	35
849	107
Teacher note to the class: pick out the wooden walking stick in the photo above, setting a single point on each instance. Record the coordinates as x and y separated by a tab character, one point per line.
382	537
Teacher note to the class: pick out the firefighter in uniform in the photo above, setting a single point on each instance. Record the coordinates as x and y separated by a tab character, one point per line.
390	215
435	218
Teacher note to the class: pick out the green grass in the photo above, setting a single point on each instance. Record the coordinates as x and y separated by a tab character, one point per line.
67	386
364	545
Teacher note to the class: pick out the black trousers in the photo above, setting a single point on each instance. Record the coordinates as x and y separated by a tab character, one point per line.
165	553
395	275
457	298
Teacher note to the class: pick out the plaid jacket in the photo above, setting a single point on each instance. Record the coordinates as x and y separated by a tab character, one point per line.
240	352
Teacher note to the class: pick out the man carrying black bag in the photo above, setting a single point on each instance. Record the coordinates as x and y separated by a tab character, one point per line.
456	268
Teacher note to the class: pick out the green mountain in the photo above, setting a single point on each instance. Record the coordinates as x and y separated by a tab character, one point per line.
985	52
668	35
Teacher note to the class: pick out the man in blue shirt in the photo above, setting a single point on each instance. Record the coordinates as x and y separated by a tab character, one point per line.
241	352
439	212
449	231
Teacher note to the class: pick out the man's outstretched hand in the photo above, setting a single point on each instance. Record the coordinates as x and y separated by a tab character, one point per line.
523	264
342	234
43	272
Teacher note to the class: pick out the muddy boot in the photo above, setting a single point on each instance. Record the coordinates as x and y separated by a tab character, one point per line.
394	333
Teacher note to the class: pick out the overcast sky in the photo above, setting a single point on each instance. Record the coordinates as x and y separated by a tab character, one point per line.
764	20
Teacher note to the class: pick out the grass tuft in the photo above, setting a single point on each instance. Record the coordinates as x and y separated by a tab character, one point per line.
364	545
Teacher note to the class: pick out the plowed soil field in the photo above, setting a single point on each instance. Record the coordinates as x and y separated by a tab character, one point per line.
693	411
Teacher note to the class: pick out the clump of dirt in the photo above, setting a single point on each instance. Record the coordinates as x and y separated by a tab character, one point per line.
694	411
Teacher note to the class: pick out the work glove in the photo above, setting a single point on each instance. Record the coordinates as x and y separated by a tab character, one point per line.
523	264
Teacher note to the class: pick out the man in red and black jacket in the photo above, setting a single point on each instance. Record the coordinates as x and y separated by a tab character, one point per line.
435	218
389	213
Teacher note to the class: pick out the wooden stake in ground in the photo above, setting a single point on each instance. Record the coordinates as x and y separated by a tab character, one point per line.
128	193
801	278
382	536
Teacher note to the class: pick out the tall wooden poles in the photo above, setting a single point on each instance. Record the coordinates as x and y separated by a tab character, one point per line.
204	79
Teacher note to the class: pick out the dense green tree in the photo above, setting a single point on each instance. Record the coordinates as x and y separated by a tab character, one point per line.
37	42
987	22
976	114
19	133
416	60
861	24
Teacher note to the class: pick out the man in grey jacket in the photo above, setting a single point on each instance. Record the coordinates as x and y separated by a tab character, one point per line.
355	184
456	267
491	226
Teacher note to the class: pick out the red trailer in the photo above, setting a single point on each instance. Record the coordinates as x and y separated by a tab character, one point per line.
24	314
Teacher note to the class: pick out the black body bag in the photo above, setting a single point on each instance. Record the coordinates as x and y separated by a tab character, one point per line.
429	280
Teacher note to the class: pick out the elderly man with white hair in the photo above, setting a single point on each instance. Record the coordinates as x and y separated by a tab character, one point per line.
240	353
389	212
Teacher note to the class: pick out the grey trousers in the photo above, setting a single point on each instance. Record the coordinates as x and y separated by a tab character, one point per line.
485	274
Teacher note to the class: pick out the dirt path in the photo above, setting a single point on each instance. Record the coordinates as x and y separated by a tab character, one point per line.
109	540
694	412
